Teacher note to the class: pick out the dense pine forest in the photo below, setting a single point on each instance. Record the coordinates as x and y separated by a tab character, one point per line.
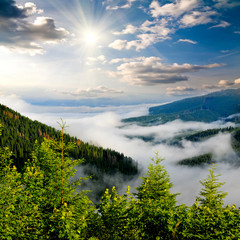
41	202
20	133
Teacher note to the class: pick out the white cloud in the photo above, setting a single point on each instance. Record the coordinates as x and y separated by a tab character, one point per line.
222	24
91	60
196	18
31	8
187	41
150	32
172	9
31	48
118	44
127	4
167	19
159	27
117	60
144	40
226	3
223	84
96	92
179	90
237	81
151	71
130	29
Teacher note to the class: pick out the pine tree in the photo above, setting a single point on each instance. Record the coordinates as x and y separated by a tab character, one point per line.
42	202
208	218
64	209
210	195
156	205
113	219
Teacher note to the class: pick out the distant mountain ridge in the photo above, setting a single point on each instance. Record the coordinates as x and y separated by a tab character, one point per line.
206	108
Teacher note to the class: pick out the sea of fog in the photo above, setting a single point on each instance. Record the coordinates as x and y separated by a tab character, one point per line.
102	126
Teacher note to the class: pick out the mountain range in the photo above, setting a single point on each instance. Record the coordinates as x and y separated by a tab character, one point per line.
206	108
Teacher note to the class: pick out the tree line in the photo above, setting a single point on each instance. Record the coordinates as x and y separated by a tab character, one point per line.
200	160
199	136
20	133
42	202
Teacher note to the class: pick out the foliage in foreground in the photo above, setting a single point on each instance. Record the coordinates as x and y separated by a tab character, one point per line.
42	203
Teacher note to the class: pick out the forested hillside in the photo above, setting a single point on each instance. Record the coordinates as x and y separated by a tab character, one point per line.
219	104
207	108
20	133
41	203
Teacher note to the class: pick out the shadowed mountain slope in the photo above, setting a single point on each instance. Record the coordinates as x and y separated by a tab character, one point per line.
207	108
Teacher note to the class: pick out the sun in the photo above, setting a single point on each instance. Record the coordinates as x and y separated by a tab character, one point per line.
90	37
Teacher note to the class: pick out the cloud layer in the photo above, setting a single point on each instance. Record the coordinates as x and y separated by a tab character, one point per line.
99	91
107	130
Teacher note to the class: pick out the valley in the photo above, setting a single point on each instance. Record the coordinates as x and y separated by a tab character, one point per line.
189	147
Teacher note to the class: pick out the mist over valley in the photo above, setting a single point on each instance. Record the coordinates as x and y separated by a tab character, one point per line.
140	142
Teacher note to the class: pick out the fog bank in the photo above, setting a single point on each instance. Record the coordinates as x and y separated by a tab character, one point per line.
103	127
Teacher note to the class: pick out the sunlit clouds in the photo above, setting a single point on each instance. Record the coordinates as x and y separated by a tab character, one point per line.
152	71
144	49
21	35
175	9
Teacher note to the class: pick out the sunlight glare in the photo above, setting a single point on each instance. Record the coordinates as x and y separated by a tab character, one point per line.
90	37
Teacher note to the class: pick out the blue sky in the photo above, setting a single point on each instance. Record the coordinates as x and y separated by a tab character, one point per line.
111	52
